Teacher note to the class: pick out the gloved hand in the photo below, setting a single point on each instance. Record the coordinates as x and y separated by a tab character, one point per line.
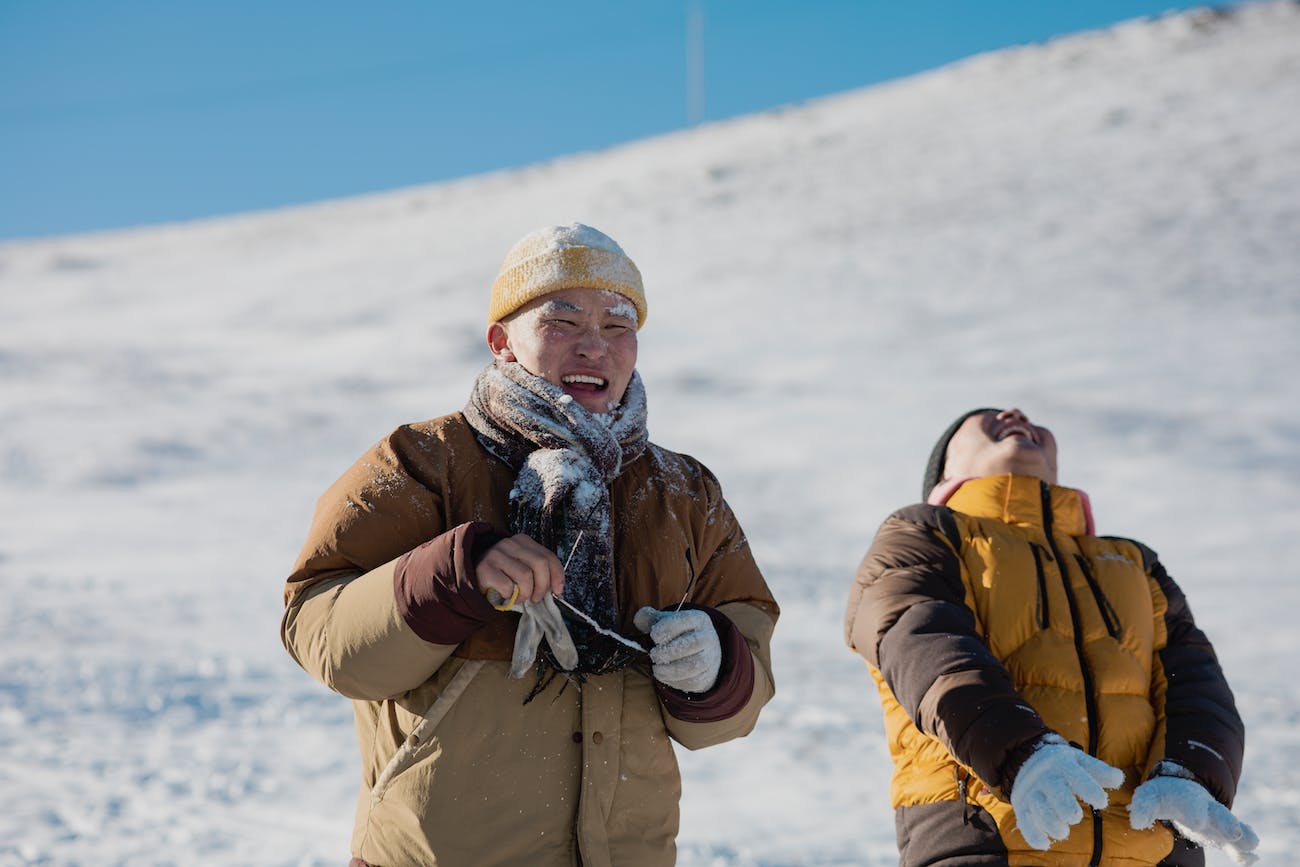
687	653
541	619
1046	793
1194	813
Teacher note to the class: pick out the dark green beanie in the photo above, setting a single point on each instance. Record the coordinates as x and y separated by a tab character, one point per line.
934	468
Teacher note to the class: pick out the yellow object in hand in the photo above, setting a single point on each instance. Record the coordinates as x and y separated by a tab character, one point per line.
499	602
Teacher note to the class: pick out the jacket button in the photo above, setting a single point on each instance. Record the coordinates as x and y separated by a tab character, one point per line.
577	737
597	737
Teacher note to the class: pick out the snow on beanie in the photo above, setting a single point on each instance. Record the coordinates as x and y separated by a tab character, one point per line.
564	257
934	467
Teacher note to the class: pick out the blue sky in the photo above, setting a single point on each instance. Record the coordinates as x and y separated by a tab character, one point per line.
132	112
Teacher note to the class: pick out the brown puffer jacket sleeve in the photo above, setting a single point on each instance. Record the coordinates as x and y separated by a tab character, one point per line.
380	634
907	617
382	591
1203	731
731	588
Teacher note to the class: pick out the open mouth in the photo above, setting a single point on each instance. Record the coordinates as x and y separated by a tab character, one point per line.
583	382
1015	429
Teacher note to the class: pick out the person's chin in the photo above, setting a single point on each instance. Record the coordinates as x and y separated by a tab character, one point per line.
1028	467
591	401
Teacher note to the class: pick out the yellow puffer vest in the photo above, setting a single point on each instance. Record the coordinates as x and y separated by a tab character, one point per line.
1077	622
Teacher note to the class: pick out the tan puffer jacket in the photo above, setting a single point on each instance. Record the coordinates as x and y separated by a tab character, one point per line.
574	776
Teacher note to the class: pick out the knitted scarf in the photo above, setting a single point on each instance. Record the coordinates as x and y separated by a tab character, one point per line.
565	458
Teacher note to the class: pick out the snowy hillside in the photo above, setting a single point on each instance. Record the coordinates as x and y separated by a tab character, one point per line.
1103	230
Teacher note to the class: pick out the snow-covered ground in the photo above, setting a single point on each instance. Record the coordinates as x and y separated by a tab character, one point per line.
1103	230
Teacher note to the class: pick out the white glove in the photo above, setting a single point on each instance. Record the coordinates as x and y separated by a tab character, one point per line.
1195	814
687	653
541	619
1046	793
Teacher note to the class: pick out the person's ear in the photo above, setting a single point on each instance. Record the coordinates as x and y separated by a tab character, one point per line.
498	340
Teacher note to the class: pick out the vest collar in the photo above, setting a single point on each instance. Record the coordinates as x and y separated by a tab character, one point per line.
1018	500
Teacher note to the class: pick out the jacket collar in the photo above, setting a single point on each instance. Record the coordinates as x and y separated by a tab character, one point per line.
1018	500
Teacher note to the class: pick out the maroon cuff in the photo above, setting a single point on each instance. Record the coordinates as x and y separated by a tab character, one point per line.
735	678
435	588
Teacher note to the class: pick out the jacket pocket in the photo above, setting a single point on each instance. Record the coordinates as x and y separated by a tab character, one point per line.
1041	612
1108	614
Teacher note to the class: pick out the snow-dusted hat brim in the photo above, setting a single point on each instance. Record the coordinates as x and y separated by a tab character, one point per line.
541	264
939	454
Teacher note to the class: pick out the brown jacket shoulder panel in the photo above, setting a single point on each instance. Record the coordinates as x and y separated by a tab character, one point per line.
908	562
388	502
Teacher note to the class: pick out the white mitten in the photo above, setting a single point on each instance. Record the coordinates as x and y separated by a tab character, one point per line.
1194	813
541	619
1046	793
687	653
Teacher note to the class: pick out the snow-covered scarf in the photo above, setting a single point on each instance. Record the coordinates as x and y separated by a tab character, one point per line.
565	457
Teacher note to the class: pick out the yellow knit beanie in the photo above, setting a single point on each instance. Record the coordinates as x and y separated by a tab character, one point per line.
564	257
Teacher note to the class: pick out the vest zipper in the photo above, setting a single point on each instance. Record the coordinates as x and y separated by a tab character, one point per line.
1108	614
1089	699
1043	615
963	787
1096	838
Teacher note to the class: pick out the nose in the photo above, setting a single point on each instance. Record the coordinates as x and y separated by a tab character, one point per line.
592	343
1013	414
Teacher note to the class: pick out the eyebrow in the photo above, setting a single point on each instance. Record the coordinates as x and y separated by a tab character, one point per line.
624	310
558	305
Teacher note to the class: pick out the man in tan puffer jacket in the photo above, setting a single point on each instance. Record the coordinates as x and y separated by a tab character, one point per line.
1048	698
528	601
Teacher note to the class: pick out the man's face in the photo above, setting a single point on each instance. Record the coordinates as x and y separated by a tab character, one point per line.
990	444
583	340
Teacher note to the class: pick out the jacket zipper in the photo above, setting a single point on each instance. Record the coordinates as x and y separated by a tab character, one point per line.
963	791
1089	700
1108	614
